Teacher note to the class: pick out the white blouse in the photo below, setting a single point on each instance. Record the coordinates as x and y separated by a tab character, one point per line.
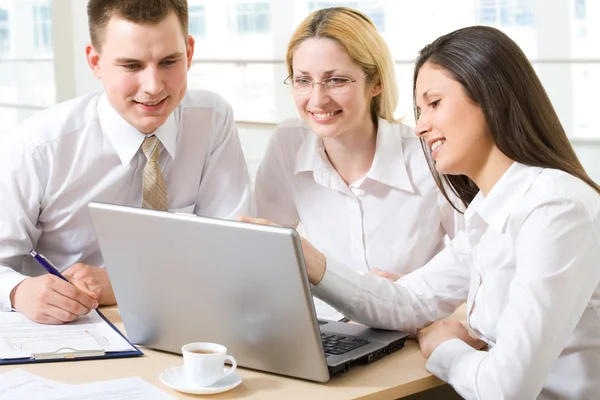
393	219
528	265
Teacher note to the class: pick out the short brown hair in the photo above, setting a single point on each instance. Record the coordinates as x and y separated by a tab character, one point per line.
145	12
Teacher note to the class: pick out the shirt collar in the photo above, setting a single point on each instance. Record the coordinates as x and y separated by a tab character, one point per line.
126	139
311	155
496	207
388	164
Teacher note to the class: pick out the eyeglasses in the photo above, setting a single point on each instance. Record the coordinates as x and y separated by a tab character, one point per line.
333	85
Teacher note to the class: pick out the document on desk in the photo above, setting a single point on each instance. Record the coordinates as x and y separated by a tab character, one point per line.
20	384
116	389
21	337
326	312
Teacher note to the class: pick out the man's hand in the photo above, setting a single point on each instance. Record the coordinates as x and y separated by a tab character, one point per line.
96	279
48	299
392	276
439	332
313	259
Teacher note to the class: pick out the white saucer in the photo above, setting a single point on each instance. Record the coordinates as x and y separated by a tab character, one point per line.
175	379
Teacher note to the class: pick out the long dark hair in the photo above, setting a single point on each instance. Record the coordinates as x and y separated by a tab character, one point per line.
496	75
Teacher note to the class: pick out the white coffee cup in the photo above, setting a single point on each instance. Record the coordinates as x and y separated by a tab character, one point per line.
204	362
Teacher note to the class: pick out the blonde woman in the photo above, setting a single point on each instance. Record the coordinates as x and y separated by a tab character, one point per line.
354	176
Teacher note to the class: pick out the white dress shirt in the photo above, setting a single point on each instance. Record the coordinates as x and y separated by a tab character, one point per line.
528	264
393	219
82	150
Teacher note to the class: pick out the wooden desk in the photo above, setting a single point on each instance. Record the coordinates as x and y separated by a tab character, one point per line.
397	375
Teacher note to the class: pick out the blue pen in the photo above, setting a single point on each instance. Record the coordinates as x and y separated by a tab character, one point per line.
48	266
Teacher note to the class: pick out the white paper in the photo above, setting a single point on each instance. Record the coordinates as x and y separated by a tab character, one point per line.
326	312
116	389
20	337
19	384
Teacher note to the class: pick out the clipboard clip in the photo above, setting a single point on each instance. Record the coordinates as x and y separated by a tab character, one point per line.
67	353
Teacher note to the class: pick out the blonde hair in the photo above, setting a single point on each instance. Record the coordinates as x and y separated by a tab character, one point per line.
357	34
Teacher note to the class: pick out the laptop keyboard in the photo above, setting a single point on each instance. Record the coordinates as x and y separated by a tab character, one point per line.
338	344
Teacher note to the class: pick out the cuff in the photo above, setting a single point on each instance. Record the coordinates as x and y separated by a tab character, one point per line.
339	287
457	363
7	284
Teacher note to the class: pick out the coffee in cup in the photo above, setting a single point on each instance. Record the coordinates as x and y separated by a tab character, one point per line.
200	351
204	362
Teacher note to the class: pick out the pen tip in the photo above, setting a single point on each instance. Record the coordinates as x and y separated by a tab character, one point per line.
33	253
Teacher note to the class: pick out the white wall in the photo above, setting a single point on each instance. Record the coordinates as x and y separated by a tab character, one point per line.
589	155
70	36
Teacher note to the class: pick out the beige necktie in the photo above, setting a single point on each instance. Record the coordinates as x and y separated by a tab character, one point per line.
154	190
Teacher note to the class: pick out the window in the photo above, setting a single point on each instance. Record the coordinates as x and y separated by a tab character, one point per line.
369	7
197	24
378	18
317	5
4	33
487	14
253	18
504	13
240	39
518	14
42	28
580	9
27	85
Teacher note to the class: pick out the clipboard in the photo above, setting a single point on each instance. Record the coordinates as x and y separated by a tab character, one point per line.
70	354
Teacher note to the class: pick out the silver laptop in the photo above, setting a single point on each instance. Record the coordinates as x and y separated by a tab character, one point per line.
182	278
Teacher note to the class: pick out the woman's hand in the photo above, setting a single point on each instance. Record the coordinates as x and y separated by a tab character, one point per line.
392	276
439	332
313	259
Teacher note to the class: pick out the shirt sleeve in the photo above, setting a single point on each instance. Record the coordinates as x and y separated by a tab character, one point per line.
20	204
273	197
225	190
409	304
557	272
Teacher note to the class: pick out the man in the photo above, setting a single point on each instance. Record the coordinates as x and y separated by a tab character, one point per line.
145	140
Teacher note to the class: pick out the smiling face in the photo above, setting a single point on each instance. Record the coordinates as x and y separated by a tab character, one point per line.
330	114
453	126
143	69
